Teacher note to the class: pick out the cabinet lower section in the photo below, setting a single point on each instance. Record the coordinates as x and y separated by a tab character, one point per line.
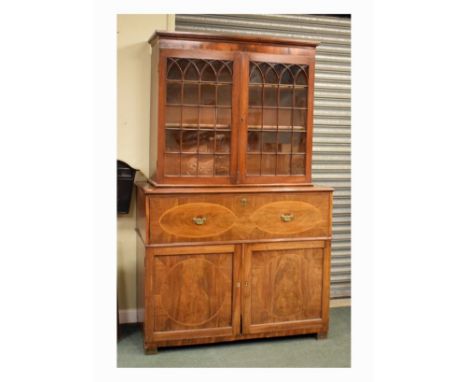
205	294
224	264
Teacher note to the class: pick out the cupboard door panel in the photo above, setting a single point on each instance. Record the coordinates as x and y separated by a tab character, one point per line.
192	292
285	286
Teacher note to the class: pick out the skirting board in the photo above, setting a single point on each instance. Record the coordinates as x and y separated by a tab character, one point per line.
129	316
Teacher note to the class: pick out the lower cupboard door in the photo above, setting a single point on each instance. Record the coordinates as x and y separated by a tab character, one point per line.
193	293
285	286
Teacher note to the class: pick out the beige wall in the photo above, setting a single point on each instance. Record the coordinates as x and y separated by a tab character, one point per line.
133	101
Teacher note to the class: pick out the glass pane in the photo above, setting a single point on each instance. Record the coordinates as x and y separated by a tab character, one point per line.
270	96
225	74
208	94
301	78
269	118
206	144
190	115
224	117
284	142
253	141
299	142
173	115
207	117
172	164
286	77
255	117
270	75
223	142
255	74
191	73
173	93
172	141
253	164
255	96
286	96
224	95
284	163
268	164
208	73
269	142
285	118
222	165
173	71
189	141
205	165
299	118
298	165
191	94
188	164
300	97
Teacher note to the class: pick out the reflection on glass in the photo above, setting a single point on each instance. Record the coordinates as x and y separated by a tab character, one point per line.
284	163
207	116
207	94
255	117
300	97
188	164
172	141
298	165
284	142
285	118
189	141
269	117
286	96
269	142
222	165
173	93
255	96
191	73
268	164
299	143
253	141
223	141
172	164
224	95
253	164
190	115
270	96
206	142
205	165
173	115
224	117
190	94
299	118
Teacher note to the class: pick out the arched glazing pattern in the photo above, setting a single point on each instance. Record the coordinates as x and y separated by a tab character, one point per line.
277	119
198	117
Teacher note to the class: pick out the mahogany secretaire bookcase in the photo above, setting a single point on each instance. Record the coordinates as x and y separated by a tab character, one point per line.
234	240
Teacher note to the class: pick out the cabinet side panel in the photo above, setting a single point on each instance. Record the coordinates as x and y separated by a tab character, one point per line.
154	112
140	280
141	224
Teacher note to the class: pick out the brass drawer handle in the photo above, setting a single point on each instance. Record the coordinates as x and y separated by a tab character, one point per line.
199	220
287	217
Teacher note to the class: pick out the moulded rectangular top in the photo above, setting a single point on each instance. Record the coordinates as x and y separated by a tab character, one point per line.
233	38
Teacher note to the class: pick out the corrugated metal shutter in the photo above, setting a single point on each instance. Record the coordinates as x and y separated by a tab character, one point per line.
331	164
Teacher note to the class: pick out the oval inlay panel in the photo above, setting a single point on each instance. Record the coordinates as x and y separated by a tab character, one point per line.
302	217
213	219
188	286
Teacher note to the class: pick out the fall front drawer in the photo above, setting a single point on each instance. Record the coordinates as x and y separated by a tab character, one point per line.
176	218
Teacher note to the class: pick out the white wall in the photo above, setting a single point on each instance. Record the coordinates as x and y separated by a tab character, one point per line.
133	102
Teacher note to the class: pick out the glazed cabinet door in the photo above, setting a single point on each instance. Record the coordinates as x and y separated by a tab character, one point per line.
192	292
285	286
277	128
197	116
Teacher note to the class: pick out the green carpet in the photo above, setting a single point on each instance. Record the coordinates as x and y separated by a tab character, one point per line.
299	351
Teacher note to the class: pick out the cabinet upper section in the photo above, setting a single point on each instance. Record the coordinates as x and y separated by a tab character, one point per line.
231	109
